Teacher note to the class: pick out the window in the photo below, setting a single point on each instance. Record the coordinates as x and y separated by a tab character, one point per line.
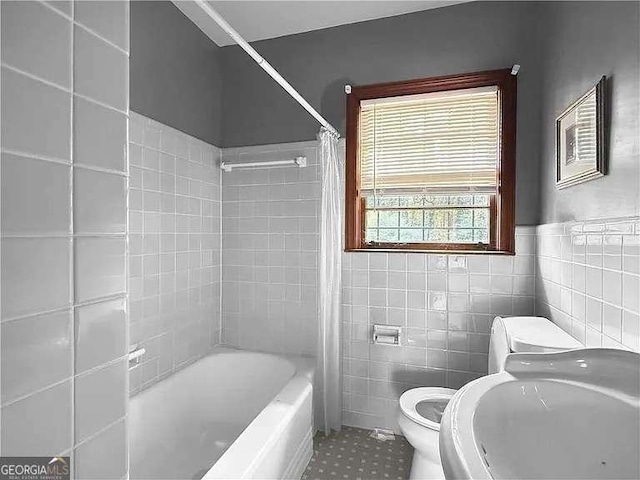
431	164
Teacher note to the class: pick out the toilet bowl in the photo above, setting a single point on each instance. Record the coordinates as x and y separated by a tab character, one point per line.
419	415
421	408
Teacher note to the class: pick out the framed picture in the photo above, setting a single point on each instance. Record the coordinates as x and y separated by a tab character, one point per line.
580	139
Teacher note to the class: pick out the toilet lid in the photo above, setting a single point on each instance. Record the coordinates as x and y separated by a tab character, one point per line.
425	405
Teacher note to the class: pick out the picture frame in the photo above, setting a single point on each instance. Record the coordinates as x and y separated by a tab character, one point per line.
580	139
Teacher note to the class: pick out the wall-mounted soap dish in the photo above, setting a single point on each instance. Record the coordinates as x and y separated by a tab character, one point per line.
386	335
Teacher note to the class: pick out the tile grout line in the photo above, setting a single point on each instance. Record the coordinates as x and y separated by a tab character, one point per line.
100	37
595	267
68	307
586	326
62	381
220	253
72	242
33	156
127	333
37	78
1	369
99	103
589	296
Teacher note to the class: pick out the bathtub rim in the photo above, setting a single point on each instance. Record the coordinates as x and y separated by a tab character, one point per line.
269	423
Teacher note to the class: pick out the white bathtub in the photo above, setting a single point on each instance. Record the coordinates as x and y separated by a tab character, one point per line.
233	414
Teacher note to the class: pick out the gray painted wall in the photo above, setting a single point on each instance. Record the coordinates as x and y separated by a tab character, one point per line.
180	78
464	38
175	75
582	42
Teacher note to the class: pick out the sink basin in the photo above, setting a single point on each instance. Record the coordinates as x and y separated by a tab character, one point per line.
568	415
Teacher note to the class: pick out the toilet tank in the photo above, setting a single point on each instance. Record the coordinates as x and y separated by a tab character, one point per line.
525	334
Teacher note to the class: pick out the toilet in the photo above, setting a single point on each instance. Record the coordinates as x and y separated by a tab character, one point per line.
421	408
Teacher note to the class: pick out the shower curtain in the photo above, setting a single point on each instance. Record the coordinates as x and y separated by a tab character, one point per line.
328	371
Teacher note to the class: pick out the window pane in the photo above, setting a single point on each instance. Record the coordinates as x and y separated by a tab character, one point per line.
436	200
436	218
481	235
481	218
381	201
428	219
412	201
411	235
462	235
372	218
438	235
387	201
461	200
462	218
411	218
388	218
481	200
388	235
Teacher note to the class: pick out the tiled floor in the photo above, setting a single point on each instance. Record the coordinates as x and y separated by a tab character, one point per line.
353	455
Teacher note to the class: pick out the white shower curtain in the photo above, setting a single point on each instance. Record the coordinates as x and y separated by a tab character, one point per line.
329	372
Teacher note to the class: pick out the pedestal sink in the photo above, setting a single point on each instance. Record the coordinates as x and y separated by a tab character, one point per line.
568	415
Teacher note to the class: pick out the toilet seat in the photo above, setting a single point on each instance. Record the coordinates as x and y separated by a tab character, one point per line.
410	400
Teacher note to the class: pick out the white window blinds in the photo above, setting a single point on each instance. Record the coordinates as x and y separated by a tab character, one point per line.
445	142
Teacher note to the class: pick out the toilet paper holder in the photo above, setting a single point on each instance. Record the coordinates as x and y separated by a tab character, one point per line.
386	335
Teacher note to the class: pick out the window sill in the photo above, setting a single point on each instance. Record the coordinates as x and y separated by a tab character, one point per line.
432	252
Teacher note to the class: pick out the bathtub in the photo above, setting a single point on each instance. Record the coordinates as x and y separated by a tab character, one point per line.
233	414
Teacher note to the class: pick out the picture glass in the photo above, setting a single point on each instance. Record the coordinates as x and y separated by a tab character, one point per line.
577	138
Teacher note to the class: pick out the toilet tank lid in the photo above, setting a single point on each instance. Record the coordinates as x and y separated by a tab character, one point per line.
537	334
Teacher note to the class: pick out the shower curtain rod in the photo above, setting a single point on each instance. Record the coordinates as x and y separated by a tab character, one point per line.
266	66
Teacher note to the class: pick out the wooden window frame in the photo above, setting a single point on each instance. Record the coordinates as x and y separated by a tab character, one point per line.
502	216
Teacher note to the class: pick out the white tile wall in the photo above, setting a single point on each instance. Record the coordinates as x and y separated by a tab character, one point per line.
35	196
270	248
108	19
64	6
99	202
23	438
64	164
588	280
100	68
174	262
40	114
94	323
45	52
36	275
100	136
29	373
100	268
444	304
101	398
90	456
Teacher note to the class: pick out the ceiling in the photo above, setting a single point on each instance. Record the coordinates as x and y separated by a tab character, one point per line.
259	20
